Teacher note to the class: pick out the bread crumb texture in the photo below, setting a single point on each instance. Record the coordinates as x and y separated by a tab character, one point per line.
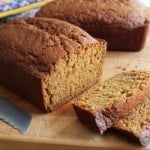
137	120
112	91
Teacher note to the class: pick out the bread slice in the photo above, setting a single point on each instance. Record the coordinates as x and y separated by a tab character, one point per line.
49	61
137	123
105	103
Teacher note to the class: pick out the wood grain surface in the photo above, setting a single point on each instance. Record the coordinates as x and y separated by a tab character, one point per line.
61	129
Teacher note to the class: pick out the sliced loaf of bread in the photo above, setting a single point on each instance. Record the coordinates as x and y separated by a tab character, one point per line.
105	103
49	61
137	123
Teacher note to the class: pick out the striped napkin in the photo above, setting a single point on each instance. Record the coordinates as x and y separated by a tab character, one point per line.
15	9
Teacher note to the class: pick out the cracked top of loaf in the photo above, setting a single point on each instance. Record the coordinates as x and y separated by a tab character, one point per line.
37	44
123	13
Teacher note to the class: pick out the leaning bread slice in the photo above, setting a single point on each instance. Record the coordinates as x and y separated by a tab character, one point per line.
137	123
104	104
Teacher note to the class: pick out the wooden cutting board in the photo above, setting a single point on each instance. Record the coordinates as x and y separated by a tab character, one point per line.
61	129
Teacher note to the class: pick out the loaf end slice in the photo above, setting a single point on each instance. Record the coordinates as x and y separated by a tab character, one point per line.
105	103
49	61
137	123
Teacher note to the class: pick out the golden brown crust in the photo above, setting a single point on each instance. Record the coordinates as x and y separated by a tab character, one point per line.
113	21
38	50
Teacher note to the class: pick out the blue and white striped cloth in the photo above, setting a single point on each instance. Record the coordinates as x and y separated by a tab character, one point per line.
6	5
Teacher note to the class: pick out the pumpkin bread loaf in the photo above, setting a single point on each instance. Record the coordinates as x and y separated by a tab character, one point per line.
137	123
105	103
120	22
49	61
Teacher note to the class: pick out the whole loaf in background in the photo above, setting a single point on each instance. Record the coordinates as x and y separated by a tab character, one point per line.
120	22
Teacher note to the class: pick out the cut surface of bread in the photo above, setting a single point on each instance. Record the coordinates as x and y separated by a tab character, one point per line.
105	103
49	61
137	122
